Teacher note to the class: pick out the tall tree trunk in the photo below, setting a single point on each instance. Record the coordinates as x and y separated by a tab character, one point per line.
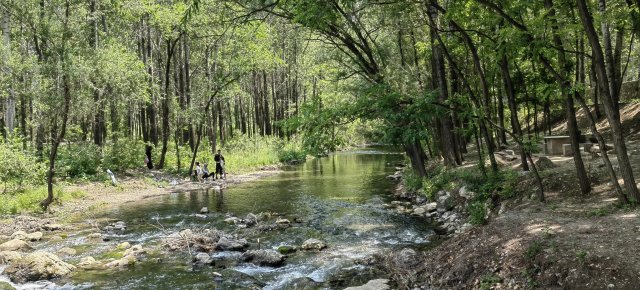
166	102
66	86
511	100
10	103
609	103
448	147
572	124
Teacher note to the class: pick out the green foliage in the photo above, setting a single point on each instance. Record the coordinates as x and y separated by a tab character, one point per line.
123	154
600	212
438	178
582	256
291	156
28	200
79	159
488	281
18	167
477	212
533	250
412	181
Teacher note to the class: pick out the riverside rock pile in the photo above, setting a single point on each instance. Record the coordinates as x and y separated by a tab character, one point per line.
447	209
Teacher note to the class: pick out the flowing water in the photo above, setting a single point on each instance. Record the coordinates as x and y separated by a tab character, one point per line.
338	199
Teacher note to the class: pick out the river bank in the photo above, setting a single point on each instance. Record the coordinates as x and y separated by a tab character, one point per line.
568	242
100	197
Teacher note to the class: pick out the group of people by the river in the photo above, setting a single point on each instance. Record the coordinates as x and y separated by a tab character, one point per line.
202	173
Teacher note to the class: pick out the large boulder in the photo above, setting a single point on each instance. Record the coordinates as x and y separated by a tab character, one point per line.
38	266
227	244
264	257
22	235
7	257
445	203
15	245
313	245
544	163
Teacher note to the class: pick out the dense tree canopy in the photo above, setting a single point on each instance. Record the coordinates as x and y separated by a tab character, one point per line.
432	76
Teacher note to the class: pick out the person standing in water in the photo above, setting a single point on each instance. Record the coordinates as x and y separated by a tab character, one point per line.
219	159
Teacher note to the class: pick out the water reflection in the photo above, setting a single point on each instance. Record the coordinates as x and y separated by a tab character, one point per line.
338	199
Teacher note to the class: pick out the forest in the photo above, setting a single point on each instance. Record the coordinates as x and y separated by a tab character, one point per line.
190	76
89	86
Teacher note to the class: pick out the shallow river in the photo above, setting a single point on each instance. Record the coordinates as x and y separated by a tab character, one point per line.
338	199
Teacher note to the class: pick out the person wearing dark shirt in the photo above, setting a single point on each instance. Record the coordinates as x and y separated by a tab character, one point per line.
219	159
147	158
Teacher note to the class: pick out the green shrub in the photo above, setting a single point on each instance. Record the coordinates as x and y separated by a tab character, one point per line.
412	181
79	159
291	156
123	154
19	168
437	179
477	212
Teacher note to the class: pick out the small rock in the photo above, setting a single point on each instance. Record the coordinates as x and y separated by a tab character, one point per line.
52	227
251	219
264	257
89	263
432	206
203	259
95	237
202	216
419	211
313	244
66	251
283	221
35	236
136	251
204	210
119	226
445	202
226	244
378	284
466	194
15	245
285	249
123	246
232	220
